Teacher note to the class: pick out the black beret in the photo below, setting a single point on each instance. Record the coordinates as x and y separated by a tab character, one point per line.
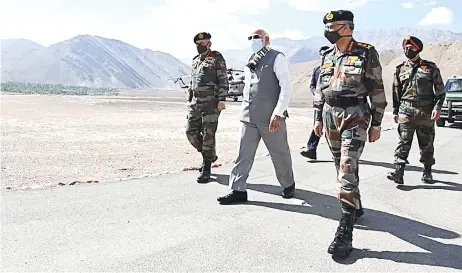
414	41
202	35
338	15
323	48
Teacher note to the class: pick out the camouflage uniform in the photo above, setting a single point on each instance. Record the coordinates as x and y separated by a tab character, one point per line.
340	102
345	81
208	86
413	102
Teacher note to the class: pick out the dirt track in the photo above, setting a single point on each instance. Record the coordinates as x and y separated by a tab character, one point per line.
48	140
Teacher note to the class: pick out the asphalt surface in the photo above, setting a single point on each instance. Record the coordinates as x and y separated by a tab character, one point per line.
171	223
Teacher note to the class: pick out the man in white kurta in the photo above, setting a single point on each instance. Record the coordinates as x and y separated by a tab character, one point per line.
266	96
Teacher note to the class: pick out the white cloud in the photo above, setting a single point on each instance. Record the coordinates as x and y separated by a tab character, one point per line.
411	4
438	16
173	25
326	5
407	5
426	3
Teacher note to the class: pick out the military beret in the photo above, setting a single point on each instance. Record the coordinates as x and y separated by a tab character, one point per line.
414	41
323	48
202	35
338	15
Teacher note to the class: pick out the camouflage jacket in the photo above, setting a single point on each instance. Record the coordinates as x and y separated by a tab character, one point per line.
355	73
415	82
209	79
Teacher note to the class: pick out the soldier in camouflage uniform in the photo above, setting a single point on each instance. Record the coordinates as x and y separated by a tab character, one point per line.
207	94
350	72
416	107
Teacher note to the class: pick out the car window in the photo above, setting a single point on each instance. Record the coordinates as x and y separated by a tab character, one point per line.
454	85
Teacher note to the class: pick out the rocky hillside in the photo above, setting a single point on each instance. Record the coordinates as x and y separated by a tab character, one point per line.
90	61
12	50
445	54
299	51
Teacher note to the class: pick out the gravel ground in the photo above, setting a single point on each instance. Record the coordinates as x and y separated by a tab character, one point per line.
48	140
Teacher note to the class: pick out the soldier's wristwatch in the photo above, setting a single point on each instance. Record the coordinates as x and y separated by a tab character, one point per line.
378	128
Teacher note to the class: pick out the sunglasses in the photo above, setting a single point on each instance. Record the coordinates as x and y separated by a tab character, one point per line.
410	47
256	36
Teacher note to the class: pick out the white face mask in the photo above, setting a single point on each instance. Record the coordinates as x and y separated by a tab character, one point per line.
257	44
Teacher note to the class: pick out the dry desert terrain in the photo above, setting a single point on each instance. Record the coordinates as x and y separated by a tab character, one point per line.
52	140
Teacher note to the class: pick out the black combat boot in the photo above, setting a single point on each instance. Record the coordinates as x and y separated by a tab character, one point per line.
398	174
289	191
427	174
206	171
309	154
337	164
202	166
342	245
360	211
233	197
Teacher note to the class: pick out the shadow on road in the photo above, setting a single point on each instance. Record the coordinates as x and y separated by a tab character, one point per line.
414	232
455	126
320	161
449	186
408	167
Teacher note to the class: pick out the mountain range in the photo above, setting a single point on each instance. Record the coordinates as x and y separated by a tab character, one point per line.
299	51
446	55
101	62
90	61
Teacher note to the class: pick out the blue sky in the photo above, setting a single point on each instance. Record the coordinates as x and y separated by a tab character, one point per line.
169	25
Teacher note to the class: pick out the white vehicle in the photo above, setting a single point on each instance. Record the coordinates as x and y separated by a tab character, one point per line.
452	107
236	83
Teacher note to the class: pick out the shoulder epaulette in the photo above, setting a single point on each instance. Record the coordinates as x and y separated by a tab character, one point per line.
400	65
428	63
216	53
364	45
327	50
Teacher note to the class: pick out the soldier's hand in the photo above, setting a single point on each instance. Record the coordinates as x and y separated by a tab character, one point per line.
318	128
374	134
436	115
221	105
395	118
274	124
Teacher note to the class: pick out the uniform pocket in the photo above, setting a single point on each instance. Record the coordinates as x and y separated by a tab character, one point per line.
352	69
325	76
210	115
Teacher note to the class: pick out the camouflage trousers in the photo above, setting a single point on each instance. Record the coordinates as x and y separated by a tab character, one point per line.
415	119
346	144
201	128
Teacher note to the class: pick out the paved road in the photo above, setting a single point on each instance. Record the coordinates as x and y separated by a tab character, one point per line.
172	223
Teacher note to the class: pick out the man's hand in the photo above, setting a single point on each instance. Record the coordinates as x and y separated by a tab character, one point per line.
221	105
318	128
275	123
374	134
436	114
395	118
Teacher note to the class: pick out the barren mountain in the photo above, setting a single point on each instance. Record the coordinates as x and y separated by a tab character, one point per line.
92	61
446	55
299	51
13	50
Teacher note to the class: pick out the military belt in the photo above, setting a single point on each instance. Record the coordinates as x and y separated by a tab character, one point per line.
417	103
205	93
345	102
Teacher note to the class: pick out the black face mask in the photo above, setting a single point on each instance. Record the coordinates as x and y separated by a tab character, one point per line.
410	54
334	36
201	49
